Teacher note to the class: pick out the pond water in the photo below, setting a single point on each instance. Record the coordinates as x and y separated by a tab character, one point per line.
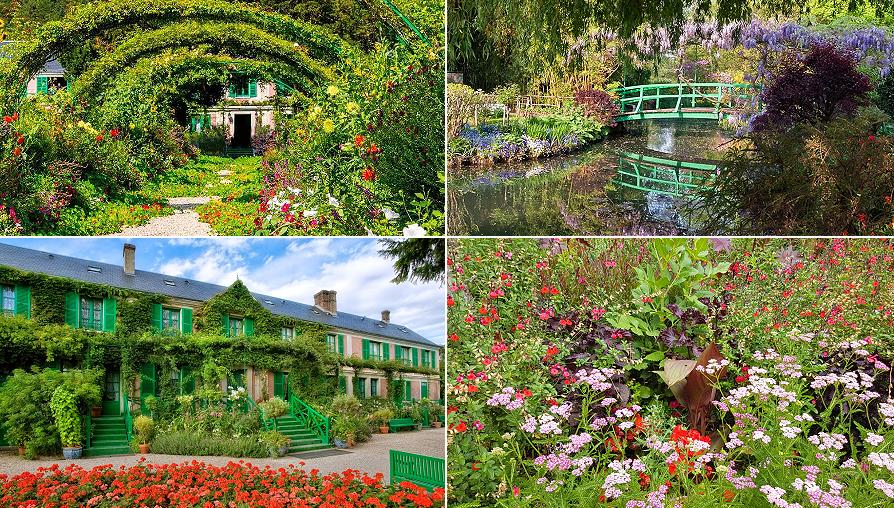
635	183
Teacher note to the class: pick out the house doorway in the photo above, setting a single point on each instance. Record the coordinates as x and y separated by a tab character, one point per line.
281	385
111	395
241	131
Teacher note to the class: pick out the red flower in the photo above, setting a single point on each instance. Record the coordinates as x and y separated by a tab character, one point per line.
99	138
373	149
461	427
17	151
358	140
21	140
114	133
369	174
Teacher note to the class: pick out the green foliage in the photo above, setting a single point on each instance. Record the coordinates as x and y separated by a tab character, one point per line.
201	444
273	440
63	403
381	416
462	101
344	405
367	155
818	179
144	427
415	259
274	407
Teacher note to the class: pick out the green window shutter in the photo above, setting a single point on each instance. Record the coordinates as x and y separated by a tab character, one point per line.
187	381
341	344
415	351
398	352
206	121
72	316
226	326
156	317
252	89
23	301
109	314
232	91
386	351
43	84
147	380
249	327
186	320
342	384
365	349
424	390
408	391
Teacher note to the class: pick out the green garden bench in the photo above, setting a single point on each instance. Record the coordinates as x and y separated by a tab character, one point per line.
400	423
426	472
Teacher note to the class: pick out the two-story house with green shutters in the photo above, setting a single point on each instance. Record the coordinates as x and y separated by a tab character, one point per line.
177	305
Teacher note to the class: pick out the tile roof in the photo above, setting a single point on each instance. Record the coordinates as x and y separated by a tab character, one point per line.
189	289
52	67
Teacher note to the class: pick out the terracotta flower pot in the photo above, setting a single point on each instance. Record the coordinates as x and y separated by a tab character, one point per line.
383	429
436	424
96	412
21	451
144	449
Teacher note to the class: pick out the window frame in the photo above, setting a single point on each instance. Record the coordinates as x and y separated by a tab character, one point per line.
91	322
12	297
287	332
375	355
239	324
173	315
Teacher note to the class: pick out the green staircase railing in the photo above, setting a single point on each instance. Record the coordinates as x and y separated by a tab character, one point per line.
681	100
424	471
663	176
310	418
267	423
128	419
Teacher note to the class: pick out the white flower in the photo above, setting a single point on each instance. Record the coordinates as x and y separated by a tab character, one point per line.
874	439
310	213
414	230
390	214
332	201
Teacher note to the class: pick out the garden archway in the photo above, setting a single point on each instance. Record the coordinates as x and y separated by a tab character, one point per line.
217	26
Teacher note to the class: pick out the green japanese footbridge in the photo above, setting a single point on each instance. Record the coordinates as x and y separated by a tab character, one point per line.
705	101
174	44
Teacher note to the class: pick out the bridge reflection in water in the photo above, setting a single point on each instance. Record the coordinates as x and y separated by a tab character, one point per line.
662	175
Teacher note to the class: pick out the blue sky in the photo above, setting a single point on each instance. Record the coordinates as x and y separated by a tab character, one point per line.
294	269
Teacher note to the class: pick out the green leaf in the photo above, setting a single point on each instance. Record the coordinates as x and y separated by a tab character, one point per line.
655	356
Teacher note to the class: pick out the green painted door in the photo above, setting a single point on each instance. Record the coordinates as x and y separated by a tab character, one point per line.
424	390
281	385
111	397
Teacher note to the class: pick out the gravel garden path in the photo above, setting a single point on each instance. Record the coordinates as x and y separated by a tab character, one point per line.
371	457
184	222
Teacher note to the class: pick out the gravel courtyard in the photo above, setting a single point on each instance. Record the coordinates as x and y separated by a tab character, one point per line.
370	457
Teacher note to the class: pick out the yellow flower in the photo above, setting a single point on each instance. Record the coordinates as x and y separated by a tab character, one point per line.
332	90
328	126
352	108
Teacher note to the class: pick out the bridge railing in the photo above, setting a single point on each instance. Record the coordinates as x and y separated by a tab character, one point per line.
678	97
663	176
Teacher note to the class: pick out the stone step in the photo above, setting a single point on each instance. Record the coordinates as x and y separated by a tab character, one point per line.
100	451
308	447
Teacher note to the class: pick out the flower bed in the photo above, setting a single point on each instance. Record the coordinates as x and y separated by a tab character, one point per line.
199	484
671	372
532	138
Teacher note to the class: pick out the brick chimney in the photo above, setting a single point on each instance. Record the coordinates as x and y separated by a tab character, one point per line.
325	300
386	316
130	254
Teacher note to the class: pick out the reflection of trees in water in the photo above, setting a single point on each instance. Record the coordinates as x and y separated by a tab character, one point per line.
571	195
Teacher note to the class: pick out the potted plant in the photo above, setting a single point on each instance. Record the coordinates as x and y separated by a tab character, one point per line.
145	429
277	443
380	418
342	432
273	409
437	411
64	404
96	411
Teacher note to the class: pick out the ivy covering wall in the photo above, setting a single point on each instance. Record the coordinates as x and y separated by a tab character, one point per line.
44	339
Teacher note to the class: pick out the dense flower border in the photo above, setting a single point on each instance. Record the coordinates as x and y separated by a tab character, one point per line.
198	484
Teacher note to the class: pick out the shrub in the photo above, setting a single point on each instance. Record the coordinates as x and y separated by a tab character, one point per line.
273	440
345	405
201	443
598	104
211	141
145	428
822	85
64	405
828	178
461	103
